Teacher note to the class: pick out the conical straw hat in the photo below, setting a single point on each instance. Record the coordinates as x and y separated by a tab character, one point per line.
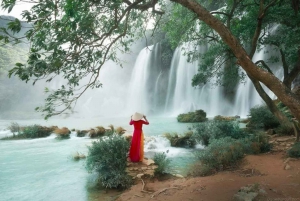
137	116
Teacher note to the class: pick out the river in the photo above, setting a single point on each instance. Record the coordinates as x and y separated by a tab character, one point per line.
44	169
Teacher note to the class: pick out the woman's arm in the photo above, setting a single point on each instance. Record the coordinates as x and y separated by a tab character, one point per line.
131	122
146	120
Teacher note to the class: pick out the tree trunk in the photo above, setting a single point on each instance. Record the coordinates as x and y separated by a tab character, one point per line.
296	129
271	105
283	93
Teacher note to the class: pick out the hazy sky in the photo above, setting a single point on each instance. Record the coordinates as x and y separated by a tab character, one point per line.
17	10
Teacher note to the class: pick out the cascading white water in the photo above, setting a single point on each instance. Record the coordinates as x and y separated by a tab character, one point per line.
152	89
182	97
147	88
137	99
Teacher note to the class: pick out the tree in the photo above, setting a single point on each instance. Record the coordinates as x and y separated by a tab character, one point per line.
75	38
254	25
244	59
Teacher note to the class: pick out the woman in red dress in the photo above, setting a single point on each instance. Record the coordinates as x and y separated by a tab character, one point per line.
136	152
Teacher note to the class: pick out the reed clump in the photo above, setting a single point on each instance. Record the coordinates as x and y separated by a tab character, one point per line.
62	133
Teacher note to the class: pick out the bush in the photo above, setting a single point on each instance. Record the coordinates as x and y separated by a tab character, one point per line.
63	133
197	116
36	131
256	143
201	170
120	130
285	129
184	140
100	131
163	164
224	118
294	152
14	128
110	131
81	133
207	131
221	153
224	152
108	157
261	117
285	110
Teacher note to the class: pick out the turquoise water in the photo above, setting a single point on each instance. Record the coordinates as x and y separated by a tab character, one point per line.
43	169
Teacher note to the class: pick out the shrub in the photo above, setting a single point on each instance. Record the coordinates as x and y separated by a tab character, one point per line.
184	140
256	143
285	129
36	131
63	133
294	152
197	116
221	153
225	152
92	133
261	117
263	140
201	170
224	118
14	128
120	130
108	157
207	131
110	131
285	110
81	133
163	164
100	131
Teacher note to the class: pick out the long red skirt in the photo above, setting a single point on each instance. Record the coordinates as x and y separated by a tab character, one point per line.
136	152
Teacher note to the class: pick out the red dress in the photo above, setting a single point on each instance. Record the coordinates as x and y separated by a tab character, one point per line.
136	152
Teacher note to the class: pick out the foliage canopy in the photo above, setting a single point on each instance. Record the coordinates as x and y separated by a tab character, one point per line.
72	39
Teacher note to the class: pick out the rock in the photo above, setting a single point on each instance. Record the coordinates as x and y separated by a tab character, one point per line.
270	132
287	167
148	162
79	156
139	175
243	196
247	193
178	175
283	139
262	192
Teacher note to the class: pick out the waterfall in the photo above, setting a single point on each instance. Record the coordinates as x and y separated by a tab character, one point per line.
138	94
155	90
182	97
